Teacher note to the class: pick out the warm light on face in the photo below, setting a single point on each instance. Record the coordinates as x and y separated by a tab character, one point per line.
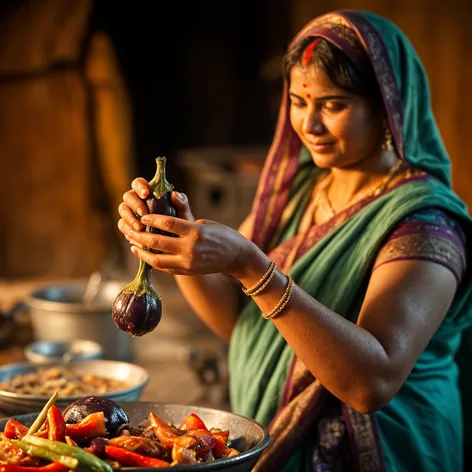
337	127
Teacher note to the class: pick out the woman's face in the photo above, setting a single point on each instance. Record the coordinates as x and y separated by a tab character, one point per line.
338	128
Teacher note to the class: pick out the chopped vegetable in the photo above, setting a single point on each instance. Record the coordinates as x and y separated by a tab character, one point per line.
35	450
192	421
126	457
57	425
14	429
83	457
92	426
43	415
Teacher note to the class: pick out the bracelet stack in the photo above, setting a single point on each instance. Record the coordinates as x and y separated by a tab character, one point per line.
263	282
282	302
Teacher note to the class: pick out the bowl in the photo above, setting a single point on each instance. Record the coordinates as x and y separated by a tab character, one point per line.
16	403
46	352
248	436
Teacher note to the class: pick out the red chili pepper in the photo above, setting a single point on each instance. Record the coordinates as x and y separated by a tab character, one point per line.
57	425
192	421
92	426
165	433
127	457
14	429
53	467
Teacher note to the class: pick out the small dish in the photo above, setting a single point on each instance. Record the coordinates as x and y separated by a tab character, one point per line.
52	352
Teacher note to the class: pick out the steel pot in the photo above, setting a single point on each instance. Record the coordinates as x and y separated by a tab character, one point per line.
58	314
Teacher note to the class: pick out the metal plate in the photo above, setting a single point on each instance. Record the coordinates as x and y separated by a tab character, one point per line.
246	435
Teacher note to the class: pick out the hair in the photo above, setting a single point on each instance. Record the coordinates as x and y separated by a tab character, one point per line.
337	67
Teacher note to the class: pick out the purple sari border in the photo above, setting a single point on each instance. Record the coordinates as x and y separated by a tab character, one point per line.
384	72
310	414
364	440
424	258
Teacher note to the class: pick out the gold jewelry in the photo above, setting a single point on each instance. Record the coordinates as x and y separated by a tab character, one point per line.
282	302
263	282
388	142
379	189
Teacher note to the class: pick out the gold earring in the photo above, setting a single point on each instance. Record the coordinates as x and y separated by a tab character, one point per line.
388	141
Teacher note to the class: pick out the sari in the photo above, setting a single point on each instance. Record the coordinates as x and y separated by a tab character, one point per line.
421	427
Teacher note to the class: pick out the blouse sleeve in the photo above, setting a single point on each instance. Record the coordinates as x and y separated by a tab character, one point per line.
430	235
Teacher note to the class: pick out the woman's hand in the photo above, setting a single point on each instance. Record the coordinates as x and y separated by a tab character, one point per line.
201	247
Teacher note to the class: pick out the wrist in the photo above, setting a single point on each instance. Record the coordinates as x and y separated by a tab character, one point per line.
251	264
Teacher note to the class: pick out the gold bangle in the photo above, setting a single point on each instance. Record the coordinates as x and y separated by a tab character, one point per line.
282	302
263	282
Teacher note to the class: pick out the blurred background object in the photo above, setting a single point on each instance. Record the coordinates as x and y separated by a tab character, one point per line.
46	352
92	91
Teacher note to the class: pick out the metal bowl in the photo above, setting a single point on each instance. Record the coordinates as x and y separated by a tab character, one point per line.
246	435
47	352
15	403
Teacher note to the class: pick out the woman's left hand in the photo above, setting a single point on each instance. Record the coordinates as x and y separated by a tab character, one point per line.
201	247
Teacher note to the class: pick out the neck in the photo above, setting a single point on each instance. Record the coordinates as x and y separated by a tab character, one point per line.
347	182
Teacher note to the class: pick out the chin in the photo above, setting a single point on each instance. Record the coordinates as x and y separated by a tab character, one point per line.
325	161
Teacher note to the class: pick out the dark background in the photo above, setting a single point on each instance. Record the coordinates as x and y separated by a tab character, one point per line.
194	71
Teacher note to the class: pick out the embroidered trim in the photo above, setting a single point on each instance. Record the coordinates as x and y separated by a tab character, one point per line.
423	246
363	440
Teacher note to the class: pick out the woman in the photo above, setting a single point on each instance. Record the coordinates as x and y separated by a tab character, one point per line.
352	363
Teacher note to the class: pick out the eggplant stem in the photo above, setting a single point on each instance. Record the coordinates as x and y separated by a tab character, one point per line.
158	184
141	283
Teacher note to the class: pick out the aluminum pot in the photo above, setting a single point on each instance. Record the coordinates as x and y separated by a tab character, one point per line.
58	314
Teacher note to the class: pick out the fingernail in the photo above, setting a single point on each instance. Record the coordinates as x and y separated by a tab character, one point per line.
133	249
136	226
130	232
181	196
139	211
143	193
145	219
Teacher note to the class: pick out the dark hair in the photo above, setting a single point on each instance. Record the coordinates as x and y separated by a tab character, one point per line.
337	67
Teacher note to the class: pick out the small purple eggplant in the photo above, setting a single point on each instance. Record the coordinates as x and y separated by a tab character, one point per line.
137	309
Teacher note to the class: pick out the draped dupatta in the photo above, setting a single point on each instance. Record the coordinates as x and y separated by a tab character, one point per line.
267	381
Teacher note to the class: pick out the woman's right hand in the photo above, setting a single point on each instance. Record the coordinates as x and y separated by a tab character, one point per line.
134	206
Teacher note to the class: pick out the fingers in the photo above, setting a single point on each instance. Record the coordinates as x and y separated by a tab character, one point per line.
159	242
141	187
182	206
163	262
131	199
170	224
132	206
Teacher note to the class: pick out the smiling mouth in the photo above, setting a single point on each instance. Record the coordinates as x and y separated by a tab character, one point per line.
321	146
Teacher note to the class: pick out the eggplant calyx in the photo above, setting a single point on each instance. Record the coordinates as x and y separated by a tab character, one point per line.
141	285
158	184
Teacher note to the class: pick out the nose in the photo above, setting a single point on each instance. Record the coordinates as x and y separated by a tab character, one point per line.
313	123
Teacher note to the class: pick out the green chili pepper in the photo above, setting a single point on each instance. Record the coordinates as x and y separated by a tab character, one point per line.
38	422
43	453
85	458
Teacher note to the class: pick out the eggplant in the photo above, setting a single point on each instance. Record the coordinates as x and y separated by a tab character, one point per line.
137	309
115	416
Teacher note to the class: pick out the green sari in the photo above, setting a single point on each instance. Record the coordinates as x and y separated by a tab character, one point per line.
420	429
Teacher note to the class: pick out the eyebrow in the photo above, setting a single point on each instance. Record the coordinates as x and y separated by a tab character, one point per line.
324	97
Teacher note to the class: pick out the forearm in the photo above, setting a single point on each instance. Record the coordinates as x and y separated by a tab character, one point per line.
348	360
215	298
